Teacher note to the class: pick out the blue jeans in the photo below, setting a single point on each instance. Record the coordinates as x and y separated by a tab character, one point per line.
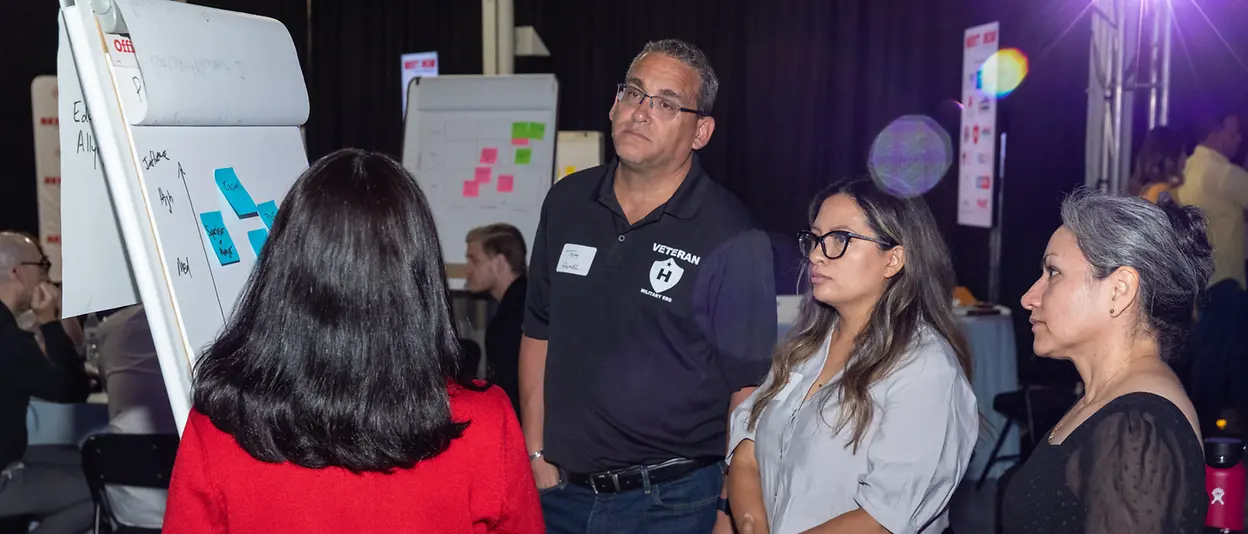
687	505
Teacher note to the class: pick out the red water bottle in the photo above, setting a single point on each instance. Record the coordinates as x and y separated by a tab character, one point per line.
1224	484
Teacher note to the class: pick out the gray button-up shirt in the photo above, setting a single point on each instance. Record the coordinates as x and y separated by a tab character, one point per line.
907	466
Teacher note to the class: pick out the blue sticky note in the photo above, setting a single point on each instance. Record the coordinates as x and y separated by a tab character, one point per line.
268	212
219	237
257	238
235	193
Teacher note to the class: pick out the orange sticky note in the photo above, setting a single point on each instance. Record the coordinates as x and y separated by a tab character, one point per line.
489	156
506	183
471	188
482	175
520	141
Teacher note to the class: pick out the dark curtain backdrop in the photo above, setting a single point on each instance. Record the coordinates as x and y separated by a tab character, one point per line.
354	77
31	52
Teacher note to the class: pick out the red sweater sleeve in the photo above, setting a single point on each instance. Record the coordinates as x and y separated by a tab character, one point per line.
195	504
522	511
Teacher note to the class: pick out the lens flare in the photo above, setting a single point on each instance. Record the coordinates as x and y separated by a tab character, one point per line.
1003	72
910	156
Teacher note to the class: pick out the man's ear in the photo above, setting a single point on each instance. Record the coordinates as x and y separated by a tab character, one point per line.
702	136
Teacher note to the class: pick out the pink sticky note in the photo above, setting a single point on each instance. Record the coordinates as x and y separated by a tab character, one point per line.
482	175
505	183
520	141
489	156
471	188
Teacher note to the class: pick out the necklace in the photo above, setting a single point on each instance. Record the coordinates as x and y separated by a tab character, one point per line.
1083	401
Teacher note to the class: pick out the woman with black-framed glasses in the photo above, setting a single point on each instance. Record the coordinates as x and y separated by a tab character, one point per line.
867	420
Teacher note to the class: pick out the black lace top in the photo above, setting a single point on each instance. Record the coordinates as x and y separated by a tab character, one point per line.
1136	466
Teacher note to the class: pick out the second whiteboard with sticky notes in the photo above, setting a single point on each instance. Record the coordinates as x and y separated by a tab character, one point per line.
483	150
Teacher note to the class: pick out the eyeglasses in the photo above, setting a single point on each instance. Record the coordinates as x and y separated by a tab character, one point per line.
43	264
836	246
662	107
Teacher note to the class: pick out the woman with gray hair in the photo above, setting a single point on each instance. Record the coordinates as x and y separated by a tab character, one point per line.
1120	278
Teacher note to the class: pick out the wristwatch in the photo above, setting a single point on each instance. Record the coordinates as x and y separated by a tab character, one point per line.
536	454
724	507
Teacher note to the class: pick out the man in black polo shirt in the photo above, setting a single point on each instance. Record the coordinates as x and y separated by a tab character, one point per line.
651	312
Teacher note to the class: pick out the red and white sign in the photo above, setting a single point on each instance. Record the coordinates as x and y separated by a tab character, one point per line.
976	173
121	51
43	95
418	65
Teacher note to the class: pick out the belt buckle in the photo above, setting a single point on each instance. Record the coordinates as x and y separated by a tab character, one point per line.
614	478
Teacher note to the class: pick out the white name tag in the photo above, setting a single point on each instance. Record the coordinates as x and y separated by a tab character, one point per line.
576	259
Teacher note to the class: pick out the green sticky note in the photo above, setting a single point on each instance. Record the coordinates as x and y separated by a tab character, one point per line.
524	156
519	130
537	130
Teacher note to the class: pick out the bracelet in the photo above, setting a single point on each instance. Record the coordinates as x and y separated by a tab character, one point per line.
536	454
724	506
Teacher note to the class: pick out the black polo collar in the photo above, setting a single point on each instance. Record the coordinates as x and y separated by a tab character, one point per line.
684	203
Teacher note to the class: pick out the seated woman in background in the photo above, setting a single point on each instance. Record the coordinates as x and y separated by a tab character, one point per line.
867	420
333	400
1120	277
1159	165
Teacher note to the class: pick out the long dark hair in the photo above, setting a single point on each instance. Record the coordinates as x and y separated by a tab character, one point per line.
341	349
921	294
1160	160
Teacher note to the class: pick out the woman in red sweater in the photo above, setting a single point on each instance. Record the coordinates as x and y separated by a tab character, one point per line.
333	401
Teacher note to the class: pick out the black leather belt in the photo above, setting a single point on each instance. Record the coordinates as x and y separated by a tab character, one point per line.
631	478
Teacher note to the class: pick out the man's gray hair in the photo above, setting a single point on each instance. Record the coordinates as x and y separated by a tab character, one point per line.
693	57
1165	243
12	245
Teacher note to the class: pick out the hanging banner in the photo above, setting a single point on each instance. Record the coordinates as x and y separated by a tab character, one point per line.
48	168
418	65
976	173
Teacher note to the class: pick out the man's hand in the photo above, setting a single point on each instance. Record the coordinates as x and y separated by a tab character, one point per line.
46	303
546	475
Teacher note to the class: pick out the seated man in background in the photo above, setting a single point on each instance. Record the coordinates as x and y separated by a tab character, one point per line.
137	404
44	482
496	265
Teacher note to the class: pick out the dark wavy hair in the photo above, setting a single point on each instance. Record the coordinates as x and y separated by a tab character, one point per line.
921	294
341	349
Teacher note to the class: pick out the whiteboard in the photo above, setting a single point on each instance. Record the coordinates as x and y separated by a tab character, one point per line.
577	151
199	140
482	148
95	272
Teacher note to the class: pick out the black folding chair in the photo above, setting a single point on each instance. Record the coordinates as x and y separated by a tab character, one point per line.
138	460
1047	392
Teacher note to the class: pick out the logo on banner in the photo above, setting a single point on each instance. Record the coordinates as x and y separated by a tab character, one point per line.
982	203
984	182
